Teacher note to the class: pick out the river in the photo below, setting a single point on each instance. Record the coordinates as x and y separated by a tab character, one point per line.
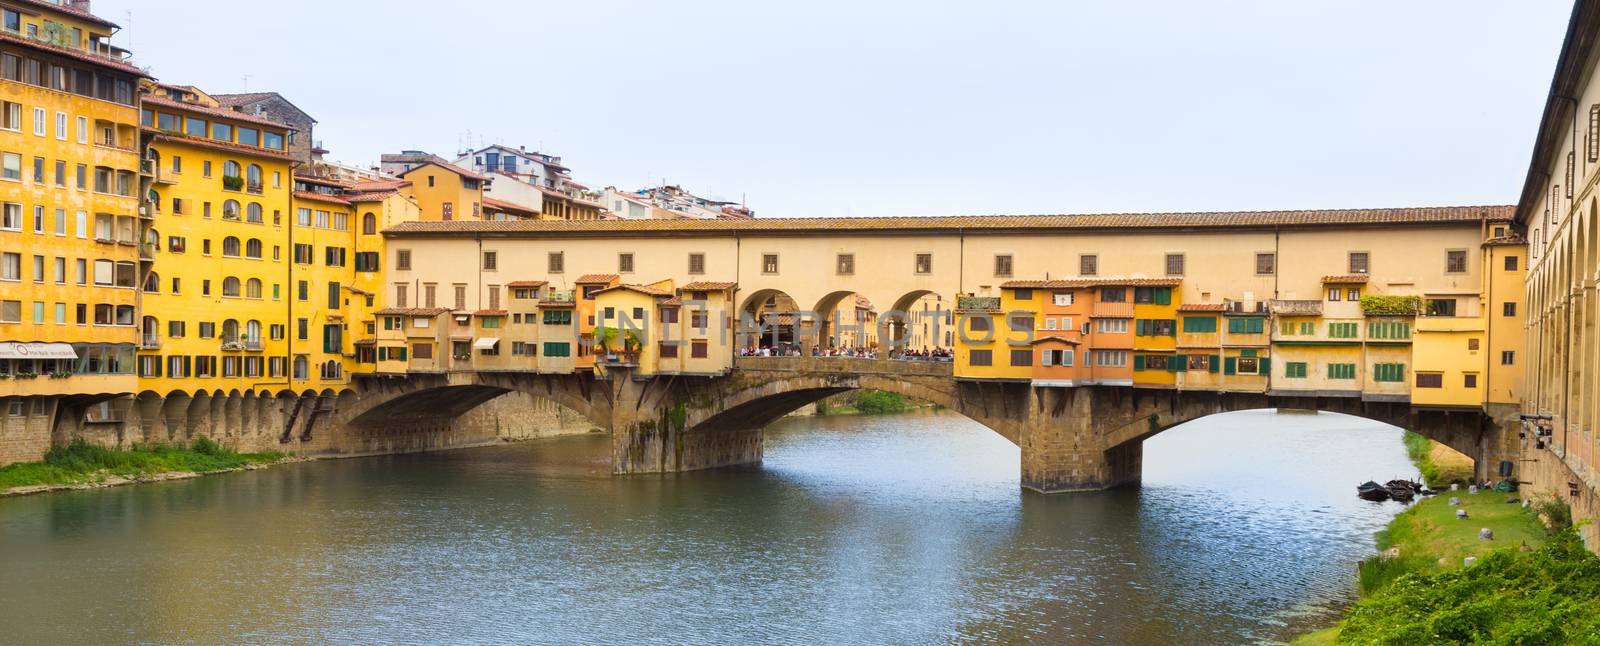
902	529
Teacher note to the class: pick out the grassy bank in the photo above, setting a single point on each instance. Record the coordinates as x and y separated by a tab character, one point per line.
1532	584
866	402
81	462
1439	465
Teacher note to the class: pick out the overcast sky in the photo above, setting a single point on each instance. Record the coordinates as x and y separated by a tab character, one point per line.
918	107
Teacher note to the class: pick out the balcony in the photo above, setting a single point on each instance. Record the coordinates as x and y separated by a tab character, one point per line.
251	345
149	342
147	251
618	358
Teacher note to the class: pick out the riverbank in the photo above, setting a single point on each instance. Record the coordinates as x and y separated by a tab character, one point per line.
1533	582
81	465
1440	465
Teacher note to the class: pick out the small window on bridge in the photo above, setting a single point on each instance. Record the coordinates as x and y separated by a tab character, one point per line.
980	357
1174	264
1088	265
1455	262
1358	262
769	263
924	263
1430	380
1002	265
846	264
1511	263
1266	263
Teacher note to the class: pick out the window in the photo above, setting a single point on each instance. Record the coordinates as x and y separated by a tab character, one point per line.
1345	330
1247	325
1334	293
1509	309
1470	380
1174	264
1430	380
980	357
1358	262
402	259
1472	344
333	256
11	166
924	264
769	263
1511	263
978	323
1199	325
557	349
845	264
1002	265
1113	295
1294	369
230	247
1020	358
1455	262
249	136
557	317
1154	327
1389	330
1266	263
555	262
1088	265
1111	358
625	263
1508	358
1023	294
1113	326
11	217
1352	294
1441	307
697	349
697	263
1061	299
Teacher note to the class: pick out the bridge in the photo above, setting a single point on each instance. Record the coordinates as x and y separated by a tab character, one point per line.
1071	439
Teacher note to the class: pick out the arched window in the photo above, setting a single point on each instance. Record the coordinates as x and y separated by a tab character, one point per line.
230	168
331	370
252	179
252	213
369	224
152	236
252	332
150	332
230	331
230	210
152	283
252	288
252	248
230	287
230	247
302	367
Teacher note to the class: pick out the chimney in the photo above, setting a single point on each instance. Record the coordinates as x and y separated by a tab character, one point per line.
80	5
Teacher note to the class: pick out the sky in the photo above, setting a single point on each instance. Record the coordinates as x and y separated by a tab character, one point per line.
926	107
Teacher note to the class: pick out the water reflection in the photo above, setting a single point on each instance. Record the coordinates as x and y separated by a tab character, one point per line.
908	529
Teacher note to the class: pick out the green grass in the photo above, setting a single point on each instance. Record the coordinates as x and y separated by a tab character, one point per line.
1320	638
80	462
1429	531
1549	596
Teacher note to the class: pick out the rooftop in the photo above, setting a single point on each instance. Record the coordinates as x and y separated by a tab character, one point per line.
1422	216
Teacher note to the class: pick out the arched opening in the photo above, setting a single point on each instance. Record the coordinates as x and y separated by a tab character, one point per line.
230	247
252	180
919	324
252	333
369	224
152	283
252	249
252	213
230	331
769	322
252	288
230	287
846	323
230	209
149	332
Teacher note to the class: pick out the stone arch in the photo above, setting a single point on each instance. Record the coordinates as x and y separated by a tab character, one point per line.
910	326
433	402
755	311
835	321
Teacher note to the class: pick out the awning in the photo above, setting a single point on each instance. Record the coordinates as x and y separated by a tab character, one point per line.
485	343
12	350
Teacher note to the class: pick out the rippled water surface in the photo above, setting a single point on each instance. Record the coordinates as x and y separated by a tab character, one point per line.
906	529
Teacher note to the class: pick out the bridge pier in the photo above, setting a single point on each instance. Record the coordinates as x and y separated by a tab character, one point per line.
1064	442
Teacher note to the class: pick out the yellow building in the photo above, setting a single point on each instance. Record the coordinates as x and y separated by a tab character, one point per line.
628	331
69	228
219	300
445	191
1155	333
993	335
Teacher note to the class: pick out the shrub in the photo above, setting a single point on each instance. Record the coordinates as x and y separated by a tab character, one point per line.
1550	506
1395	305
878	402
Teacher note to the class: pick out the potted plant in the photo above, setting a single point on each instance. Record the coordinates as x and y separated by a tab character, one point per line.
232	182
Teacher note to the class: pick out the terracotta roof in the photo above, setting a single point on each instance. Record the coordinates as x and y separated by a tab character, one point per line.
489	202
308	195
596	278
1512	239
447	166
545	304
1346	279
81	14
1091	282
1088	222
325	181
76	54
489	313
225	146
707	285
642	289
225	113
527	283
1202	307
674	301
413	311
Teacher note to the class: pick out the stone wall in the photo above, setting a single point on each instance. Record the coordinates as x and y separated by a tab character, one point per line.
1546	471
24	435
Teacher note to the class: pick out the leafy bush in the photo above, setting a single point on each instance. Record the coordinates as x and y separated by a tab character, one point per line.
232	182
1395	305
80	461
1550	506
1549	596
878	402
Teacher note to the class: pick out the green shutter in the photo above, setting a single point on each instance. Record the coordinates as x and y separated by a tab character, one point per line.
1180	363
1172	364
1140	326
1266	366
1212	363
1247	352
1138	362
1229	365
1163	296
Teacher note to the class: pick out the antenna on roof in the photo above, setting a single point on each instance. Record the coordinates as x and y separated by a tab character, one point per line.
246	78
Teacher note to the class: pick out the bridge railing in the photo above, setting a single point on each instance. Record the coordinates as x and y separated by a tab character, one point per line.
847	365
